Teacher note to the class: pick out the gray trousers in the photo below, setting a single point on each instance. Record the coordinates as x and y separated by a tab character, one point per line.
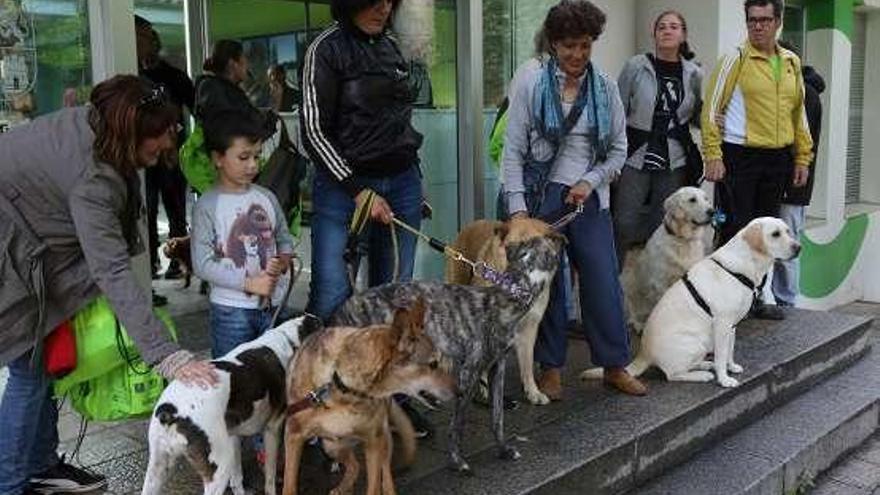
637	204
786	273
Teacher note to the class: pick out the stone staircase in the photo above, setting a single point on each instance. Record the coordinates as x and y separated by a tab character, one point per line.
807	397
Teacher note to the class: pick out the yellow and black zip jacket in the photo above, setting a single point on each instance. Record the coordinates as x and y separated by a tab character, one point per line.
758	111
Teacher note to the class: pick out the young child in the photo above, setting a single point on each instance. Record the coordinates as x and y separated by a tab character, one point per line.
240	242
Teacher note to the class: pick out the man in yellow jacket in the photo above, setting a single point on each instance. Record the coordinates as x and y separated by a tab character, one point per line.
755	132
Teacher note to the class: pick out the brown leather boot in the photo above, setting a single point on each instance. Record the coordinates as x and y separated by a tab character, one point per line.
624	382
550	382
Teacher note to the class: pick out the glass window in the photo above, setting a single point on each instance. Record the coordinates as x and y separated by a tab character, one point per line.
45	61
793	28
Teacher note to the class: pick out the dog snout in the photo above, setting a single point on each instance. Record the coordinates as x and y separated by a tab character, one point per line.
710	212
795	249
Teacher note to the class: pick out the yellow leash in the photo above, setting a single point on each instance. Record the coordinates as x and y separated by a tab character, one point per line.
359	221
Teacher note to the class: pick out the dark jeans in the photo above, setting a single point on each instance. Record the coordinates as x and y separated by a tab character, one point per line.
753	185
591	251
333	208
170	184
231	326
28	425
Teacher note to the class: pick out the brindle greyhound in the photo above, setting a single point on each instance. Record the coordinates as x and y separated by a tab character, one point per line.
473	327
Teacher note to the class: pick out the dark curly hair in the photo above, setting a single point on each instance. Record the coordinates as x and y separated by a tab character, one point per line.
777	6
569	19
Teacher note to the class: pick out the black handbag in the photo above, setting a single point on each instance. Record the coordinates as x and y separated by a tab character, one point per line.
284	171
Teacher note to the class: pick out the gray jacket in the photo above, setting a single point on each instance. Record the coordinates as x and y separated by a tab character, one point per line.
638	91
61	237
575	160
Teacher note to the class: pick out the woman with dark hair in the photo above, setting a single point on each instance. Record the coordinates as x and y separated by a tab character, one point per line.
69	208
355	119
284	97
565	142
661	96
218	90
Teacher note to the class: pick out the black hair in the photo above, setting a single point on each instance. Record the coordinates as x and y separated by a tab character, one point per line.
569	19
777	6
224	51
343	11
226	126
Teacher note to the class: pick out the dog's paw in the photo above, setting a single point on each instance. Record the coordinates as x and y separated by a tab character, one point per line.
734	368
537	397
728	382
508	453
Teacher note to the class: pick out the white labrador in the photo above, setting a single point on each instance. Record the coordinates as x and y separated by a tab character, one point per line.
672	250
687	324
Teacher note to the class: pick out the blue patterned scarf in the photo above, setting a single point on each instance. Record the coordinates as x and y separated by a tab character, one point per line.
550	120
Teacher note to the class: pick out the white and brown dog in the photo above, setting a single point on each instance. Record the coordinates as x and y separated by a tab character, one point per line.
699	313
676	246
204	425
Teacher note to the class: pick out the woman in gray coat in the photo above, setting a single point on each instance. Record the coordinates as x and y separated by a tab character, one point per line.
661	95
69	208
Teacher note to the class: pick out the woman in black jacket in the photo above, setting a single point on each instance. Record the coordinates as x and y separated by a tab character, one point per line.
355	119
218	89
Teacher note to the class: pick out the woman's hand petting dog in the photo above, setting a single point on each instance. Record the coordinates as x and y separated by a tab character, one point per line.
201	373
261	285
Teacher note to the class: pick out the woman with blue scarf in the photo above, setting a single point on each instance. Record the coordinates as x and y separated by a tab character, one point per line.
565	142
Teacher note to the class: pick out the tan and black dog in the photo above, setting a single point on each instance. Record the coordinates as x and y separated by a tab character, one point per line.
339	389
178	248
486	241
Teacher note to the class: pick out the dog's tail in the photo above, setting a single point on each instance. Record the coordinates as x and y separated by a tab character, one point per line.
401	423
636	368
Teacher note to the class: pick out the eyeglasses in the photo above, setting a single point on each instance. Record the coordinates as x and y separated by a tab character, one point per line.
763	21
157	96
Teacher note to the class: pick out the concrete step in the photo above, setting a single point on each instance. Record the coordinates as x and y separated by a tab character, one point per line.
785	451
602	442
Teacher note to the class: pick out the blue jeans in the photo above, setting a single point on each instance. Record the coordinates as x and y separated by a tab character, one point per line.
591	252
786	274
28	426
231	326
333	208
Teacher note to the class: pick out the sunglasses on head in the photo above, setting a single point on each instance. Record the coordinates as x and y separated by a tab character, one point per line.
157	96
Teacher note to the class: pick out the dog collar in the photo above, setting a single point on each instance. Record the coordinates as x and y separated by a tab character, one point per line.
315	398
518	291
342	387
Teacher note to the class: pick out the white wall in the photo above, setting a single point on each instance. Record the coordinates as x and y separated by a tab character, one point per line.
870	187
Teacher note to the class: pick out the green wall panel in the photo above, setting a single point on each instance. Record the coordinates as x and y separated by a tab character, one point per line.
830	14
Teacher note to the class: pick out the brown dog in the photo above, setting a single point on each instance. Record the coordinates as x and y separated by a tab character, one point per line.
351	374
178	248
485	240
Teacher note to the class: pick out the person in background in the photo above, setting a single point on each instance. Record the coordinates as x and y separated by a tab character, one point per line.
565	143
166	180
69	208
219	89
763	143
356	122
661	96
284	97
795	199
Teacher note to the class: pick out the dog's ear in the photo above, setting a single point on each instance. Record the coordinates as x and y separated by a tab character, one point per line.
669	203
408	326
501	231
754	237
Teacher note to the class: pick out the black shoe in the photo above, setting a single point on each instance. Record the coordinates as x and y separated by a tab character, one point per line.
159	300
66	478
423	427
173	272
763	311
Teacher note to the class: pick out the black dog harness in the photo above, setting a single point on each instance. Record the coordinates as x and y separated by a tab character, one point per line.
702	302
